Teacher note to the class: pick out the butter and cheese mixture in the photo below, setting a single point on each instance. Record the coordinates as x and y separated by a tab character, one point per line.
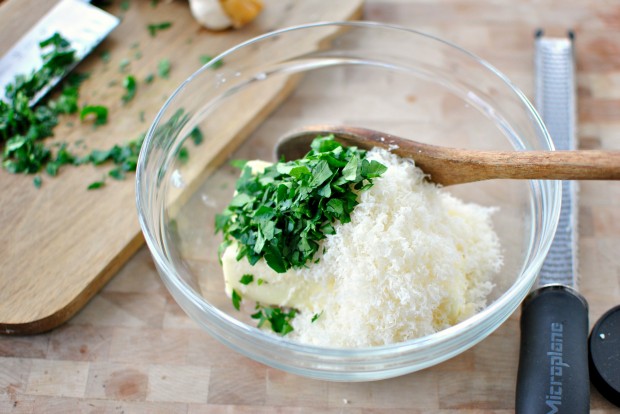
413	260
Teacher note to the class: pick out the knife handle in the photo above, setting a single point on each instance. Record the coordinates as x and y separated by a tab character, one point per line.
553	359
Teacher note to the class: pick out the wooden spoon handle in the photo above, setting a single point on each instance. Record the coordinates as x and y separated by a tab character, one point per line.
470	166
447	166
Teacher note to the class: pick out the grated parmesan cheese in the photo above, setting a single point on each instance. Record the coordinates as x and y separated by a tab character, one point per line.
414	260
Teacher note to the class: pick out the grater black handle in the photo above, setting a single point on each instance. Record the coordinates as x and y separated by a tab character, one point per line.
553	359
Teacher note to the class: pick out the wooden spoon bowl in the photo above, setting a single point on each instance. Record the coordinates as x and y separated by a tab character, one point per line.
448	166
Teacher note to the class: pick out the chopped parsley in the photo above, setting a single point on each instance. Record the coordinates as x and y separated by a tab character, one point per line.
153	28
100	113
204	59
246	279
123	156
60	57
282	213
95	185
238	164
183	155
236	299
163	68
117	173
278	318
22	154
316	316
67	102
259	282
63	157
75	79
22	126
129	83
196	136
149	78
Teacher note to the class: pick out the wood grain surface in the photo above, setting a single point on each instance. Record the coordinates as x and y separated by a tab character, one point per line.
131	348
61	243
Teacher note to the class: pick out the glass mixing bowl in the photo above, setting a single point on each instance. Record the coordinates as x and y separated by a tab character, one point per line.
364	74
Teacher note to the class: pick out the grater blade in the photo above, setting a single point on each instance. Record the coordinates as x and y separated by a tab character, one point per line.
556	102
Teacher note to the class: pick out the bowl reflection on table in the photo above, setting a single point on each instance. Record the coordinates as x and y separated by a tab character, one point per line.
363	74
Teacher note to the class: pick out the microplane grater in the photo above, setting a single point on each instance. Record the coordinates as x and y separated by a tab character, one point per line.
82	24
556	102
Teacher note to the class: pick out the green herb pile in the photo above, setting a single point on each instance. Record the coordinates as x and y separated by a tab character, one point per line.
22	127
284	212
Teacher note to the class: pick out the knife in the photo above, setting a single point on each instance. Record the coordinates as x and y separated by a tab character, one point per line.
82	24
553	357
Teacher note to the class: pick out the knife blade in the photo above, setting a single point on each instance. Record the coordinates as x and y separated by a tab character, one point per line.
82	24
553	358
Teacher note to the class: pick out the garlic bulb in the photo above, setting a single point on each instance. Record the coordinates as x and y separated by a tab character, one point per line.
210	14
222	14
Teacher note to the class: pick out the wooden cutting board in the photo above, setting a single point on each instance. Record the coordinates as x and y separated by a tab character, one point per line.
61	243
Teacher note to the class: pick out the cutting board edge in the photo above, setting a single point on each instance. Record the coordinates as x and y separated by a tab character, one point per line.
59	316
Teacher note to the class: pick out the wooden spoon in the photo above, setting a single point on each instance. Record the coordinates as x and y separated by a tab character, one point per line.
448	166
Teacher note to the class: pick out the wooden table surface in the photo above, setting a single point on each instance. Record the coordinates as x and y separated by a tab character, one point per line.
132	349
